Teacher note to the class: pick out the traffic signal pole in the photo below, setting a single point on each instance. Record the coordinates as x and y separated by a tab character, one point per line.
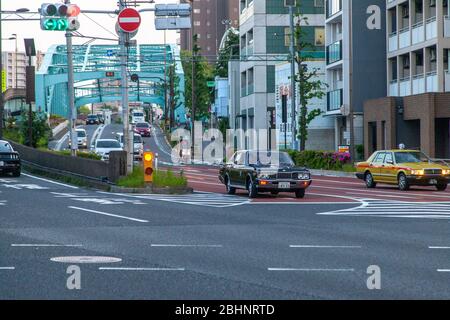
71	93
128	144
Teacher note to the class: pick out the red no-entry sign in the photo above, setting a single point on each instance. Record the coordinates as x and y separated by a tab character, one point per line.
129	20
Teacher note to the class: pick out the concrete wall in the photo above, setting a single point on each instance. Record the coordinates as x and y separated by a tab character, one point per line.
77	166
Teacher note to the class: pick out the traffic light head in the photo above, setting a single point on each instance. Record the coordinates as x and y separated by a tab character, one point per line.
59	17
148	166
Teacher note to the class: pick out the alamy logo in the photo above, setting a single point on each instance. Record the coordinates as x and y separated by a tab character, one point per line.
74	280
374	280
374	20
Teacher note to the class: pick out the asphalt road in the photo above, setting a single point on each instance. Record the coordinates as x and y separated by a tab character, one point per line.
212	246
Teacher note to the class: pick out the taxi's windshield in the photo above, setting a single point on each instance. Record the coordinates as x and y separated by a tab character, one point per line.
410	157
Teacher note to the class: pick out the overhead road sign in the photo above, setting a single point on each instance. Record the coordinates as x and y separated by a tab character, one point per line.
173	10
172	23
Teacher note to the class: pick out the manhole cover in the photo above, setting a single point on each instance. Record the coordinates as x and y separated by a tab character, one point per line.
86	259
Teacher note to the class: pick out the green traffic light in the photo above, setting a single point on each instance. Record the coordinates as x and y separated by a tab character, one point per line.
55	24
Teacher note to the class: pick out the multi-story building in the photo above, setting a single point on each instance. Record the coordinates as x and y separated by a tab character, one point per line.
321	129
264	42
416	111
211	18
356	62
15	68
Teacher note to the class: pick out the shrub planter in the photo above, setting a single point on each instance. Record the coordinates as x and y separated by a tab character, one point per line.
152	190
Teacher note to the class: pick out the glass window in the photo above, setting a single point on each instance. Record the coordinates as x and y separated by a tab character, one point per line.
379	157
411	157
240	158
389	158
5	147
108	144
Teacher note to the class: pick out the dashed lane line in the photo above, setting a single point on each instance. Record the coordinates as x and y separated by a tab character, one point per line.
108	214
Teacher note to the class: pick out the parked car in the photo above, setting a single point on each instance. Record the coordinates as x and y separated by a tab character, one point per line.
404	168
82	139
9	159
257	172
137	116
104	146
92	119
138	145
101	119
143	129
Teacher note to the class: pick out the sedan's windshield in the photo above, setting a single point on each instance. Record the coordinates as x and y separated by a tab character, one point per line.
414	157
137	139
92	117
108	144
142	125
269	158
138	114
81	134
5	147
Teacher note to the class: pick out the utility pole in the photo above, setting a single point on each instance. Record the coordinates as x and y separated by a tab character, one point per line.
193	83
293	85
127	145
71	93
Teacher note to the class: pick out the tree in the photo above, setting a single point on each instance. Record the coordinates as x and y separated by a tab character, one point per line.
310	87
229	52
84	110
203	74
41	131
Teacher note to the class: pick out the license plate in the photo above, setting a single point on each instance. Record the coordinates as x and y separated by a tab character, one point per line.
2	163
284	185
433	181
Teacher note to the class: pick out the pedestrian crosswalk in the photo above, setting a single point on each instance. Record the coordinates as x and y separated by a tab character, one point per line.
199	199
2	202
396	209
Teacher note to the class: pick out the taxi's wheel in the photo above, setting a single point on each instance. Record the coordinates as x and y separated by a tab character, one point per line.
230	189
441	187
370	183
403	184
300	193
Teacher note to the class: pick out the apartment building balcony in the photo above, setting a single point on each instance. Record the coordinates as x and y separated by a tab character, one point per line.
447	26
405	87
393	88
418	33
404	38
335	99
333	7
393	42
431	28
418	84
432	82
334	52
447	81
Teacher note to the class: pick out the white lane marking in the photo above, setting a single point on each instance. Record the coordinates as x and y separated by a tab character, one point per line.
50	181
325	247
86	259
44	245
297	202
142	269
7	268
440	248
188	245
311	270
109	214
380	195
25	186
443	270
2	202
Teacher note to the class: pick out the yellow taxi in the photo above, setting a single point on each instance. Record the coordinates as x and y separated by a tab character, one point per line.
404	168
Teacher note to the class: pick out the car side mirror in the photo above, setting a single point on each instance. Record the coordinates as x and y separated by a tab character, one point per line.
390	162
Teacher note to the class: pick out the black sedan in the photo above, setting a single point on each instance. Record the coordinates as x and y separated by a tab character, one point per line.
259	172
9	160
92	119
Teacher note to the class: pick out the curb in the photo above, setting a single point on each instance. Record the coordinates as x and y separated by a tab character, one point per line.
329	173
151	190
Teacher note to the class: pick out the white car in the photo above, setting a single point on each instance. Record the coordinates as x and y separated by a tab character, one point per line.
81	139
138	145
104	146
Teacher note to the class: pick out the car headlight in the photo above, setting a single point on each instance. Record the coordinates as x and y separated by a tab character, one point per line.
417	172
304	176
263	176
446	172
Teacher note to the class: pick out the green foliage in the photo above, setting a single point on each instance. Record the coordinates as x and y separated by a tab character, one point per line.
161	179
322	160
84	110
360	151
203	73
308	85
13	134
224	125
41	131
230	51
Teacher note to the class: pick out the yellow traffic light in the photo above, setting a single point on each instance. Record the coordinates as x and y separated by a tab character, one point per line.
148	166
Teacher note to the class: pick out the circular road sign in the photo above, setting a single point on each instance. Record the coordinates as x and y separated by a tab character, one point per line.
129	20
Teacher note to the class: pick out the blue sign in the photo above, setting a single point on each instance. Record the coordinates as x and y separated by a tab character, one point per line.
109	53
